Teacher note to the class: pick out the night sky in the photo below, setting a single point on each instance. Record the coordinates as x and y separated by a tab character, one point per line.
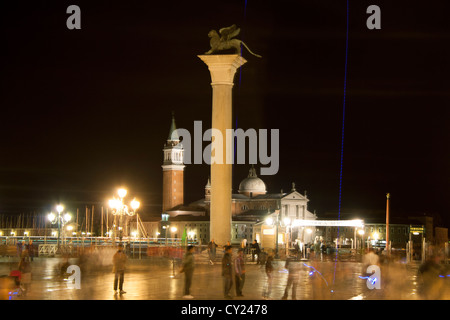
86	111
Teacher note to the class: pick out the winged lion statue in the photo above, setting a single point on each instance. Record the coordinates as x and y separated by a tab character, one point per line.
225	41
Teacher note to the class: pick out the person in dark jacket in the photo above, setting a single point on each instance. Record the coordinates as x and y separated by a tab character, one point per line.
188	269
25	269
255	251
119	261
269	273
293	267
227	272
212	246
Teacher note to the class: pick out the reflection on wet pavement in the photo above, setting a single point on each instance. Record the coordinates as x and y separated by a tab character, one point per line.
151	279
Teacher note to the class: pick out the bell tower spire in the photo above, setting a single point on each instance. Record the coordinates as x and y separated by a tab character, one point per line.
173	169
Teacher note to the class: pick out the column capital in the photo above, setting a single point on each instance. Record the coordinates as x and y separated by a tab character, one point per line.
222	67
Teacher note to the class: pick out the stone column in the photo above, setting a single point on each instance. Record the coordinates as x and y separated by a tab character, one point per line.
222	69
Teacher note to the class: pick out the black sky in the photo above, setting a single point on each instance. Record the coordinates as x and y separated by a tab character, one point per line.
85	111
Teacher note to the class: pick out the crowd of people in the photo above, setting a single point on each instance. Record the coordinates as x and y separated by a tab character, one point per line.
431	274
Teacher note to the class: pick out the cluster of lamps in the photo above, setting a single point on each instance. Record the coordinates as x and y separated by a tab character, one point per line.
60	219
119	208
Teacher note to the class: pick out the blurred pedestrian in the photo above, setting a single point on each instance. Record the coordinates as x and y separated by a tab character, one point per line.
19	249
297	250
255	251
25	270
212	246
370	258
244	245
318	282
239	275
119	260
432	279
293	269
188	269
227	272
269	272
226	245
31	250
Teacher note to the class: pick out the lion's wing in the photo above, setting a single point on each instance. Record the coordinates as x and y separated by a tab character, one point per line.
229	32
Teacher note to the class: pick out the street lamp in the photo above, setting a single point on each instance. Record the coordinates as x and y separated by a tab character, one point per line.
270	221
60	219
119	208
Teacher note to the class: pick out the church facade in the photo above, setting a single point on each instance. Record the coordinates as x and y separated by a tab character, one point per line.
251	205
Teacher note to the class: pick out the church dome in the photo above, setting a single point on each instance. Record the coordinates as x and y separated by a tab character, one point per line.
252	185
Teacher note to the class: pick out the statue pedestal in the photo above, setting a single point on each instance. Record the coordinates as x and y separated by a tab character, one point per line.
223	69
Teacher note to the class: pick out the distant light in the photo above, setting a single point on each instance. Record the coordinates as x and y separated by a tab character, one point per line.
308	231
328	223
269	221
287	221
135	204
59	208
51	216
69	228
416	233
67	217
173	229
114	203
122	192
361	232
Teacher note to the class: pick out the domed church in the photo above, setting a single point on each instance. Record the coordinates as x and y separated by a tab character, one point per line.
252	185
252	204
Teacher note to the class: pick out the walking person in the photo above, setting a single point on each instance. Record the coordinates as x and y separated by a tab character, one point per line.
119	260
293	268
188	269
212	246
25	270
227	272
239	275
269	273
244	246
297	250
255	251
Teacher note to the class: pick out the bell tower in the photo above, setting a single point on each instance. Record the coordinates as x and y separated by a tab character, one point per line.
173	169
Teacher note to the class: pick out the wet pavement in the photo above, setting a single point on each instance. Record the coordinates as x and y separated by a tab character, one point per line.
157	279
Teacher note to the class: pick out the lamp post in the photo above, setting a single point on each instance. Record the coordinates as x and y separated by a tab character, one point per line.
60	220
388	248
270	221
120	209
